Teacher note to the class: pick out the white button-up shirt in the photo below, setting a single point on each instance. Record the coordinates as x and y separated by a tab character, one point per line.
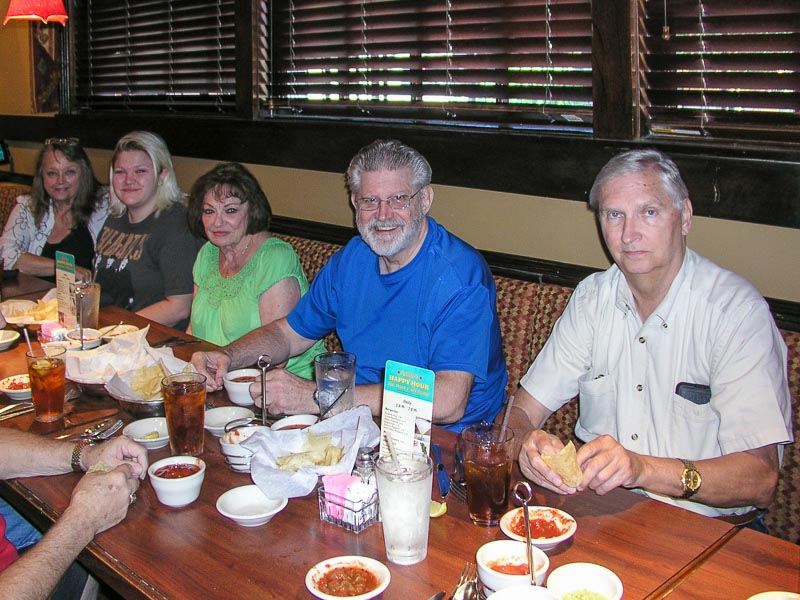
713	328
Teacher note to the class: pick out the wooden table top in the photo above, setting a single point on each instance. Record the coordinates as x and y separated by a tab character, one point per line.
194	552
23	285
750	563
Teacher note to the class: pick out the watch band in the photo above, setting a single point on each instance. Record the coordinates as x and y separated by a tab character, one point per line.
77	455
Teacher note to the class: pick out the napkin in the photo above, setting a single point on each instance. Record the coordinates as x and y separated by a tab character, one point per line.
124	354
350	430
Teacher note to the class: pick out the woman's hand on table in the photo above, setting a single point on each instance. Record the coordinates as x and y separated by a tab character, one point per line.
118	451
287	394
214	365
534	468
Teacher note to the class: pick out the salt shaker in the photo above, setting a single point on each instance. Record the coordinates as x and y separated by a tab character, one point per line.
364	466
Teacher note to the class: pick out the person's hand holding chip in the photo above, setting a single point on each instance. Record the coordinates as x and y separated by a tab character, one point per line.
607	465
532	464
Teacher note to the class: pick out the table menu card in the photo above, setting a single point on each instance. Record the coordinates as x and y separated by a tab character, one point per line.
407	407
65	277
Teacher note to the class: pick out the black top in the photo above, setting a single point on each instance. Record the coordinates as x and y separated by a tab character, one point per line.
78	242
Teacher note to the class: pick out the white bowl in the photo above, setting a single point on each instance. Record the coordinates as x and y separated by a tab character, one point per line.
91	337
318	571
513	525
7	337
217	418
523	592
574	577
237	456
138	430
295	422
775	595
181	491
248	506
16	380
508	552
239	391
108	335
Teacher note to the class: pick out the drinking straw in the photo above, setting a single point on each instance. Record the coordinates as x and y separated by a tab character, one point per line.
392	451
27	340
509	404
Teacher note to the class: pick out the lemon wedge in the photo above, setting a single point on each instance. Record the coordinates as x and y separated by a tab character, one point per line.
437	509
153	435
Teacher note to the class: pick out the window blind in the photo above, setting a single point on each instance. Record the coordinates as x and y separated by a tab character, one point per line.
523	61
724	68
159	55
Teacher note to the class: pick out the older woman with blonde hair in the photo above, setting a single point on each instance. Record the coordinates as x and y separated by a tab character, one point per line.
144	254
64	212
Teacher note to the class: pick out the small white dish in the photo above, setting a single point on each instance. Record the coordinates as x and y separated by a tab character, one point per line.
775	595
295	422
177	491
237	456
107	335
317	573
574	577
91	338
217	418
248	506
508	554
142	432
237	384
513	525
7	337
68	344
16	387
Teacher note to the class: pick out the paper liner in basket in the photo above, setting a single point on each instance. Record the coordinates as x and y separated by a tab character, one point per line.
350	430
115	363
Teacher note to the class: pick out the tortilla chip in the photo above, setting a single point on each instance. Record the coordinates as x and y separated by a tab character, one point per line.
146	382
565	463
317	451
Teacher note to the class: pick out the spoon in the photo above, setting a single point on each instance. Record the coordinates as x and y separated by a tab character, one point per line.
263	363
523	493
105	333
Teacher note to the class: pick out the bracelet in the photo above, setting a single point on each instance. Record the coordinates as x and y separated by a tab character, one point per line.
77	455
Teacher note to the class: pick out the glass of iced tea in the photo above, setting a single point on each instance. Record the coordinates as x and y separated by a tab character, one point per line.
185	408
46	369
488	457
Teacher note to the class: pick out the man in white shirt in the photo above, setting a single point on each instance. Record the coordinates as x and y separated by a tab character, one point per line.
680	369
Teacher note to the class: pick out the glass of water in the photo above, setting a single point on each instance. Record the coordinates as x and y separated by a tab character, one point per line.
335	375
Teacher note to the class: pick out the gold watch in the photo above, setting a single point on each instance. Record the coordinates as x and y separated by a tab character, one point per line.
690	478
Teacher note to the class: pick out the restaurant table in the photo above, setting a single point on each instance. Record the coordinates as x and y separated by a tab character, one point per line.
194	552
749	563
23	285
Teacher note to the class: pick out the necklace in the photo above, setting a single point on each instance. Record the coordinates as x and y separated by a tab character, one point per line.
234	266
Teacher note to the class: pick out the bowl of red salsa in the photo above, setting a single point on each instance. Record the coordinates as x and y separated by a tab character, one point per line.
177	480
549	526
353	577
504	563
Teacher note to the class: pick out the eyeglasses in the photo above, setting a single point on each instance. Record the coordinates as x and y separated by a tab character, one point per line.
396	202
62	141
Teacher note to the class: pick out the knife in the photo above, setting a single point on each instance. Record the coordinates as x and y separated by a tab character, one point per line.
16	412
441	474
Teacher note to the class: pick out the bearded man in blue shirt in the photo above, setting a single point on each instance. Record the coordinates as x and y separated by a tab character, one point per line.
405	289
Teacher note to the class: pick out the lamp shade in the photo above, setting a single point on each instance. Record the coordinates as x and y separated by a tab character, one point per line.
30	10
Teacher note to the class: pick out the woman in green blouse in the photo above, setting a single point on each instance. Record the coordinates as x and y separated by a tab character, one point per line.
244	277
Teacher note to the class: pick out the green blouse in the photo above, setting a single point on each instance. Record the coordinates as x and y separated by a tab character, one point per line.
226	308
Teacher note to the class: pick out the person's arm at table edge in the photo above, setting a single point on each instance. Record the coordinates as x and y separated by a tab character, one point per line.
169	311
743	478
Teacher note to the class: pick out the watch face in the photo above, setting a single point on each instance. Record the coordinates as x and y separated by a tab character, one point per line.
691	480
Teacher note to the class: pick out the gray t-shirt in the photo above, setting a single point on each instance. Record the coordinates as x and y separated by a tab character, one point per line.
139	264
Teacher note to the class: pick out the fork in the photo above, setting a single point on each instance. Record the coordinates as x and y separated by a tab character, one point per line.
104	435
468	574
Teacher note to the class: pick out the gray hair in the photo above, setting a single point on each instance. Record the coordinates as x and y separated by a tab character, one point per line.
388	155
155	147
641	161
